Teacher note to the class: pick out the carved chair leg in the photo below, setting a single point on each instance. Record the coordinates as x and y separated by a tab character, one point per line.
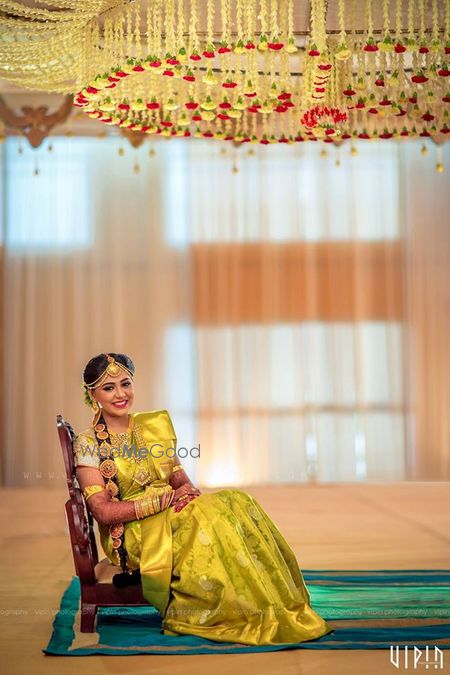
88	615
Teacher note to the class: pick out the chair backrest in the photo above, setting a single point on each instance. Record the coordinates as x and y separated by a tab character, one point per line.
79	519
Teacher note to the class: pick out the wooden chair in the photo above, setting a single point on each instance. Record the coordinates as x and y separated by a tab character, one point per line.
95	577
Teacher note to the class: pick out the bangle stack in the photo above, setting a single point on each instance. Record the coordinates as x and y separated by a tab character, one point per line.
150	503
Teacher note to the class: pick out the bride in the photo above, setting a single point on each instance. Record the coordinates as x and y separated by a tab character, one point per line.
214	565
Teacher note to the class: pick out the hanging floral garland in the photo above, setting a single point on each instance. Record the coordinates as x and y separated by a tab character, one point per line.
236	70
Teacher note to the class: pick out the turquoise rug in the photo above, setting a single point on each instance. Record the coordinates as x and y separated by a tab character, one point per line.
367	610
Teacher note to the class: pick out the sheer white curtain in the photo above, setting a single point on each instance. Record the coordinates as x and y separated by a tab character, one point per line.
296	382
271	310
87	269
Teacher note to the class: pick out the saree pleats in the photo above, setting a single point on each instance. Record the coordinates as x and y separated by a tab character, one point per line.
234	577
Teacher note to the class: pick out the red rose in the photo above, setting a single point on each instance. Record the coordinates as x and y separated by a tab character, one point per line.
224	105
207	134
445	129
363	134
208	55
373	111
224	50
223	116
155	63
120	73
197	117
405	132
275	45
329	131
168	73
399	48
385	101
419	78
424	133
284	96
189	78
123	106
249	45
251	95
91	90
264	141
154	105
446	98
191	105
413	99
370	47
113	79
195	57
281	108
138	69
173	62
229	85
347	92
379	82
385	134
313	52
423	50
166	123
427	117
324	66
283	140
444	72
320	90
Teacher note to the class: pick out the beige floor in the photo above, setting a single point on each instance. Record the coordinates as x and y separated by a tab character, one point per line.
400	525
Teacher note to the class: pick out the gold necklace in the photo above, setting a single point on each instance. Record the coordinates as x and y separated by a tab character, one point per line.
123	435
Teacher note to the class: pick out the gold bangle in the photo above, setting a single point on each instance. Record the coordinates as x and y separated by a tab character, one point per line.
177	467
154	499
137	509
148	507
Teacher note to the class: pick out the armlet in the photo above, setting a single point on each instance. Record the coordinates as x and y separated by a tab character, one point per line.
92	490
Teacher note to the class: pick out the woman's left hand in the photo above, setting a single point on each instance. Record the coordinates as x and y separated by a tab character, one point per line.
183	502
183	495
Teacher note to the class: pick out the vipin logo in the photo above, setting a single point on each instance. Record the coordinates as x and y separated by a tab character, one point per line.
414	658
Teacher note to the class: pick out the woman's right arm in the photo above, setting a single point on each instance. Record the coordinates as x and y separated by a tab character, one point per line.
105	511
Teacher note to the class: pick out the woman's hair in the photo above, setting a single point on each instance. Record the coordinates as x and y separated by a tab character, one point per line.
97	365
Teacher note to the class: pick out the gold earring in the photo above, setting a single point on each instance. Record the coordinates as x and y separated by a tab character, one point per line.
94	406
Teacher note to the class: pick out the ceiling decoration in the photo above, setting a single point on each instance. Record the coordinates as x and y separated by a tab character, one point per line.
241	70
35	123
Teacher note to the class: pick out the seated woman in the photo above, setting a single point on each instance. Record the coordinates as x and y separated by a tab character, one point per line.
214	565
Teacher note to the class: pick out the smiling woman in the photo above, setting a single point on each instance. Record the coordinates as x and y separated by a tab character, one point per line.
214	565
